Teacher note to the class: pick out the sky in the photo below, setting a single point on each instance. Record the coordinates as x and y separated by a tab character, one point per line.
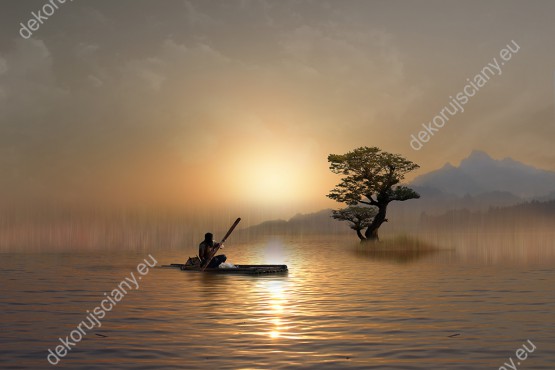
235	105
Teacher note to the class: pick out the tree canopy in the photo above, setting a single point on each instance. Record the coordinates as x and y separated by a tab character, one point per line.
358	218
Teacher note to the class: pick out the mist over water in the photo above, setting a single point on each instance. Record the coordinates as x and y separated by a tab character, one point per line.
58	229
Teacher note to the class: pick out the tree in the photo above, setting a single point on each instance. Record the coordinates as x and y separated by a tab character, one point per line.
359	218
371	177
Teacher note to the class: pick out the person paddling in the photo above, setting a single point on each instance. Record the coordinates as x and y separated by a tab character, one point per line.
206	247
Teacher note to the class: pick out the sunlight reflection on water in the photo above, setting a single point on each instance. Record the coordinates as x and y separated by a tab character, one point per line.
276	300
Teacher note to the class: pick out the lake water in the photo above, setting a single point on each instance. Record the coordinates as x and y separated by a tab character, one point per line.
335	308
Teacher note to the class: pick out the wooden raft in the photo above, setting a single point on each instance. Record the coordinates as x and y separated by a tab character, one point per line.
240	269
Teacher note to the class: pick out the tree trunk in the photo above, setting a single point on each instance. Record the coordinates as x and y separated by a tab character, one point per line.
362	238
372	236
371	233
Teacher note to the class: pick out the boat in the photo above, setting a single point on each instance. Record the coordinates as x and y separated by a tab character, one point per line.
238	269
195	263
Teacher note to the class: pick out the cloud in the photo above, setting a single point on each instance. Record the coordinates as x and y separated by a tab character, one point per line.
28	81
196	18
149	72
95	81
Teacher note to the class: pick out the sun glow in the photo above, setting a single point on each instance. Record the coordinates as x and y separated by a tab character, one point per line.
270	181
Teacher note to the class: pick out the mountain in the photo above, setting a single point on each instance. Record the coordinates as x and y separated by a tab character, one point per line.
479	174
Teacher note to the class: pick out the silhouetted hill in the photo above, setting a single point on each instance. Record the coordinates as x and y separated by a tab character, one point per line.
312	223
524	216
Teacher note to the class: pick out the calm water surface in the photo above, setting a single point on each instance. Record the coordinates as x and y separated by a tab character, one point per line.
334	309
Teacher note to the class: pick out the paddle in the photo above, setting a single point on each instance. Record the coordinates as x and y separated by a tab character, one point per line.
215	250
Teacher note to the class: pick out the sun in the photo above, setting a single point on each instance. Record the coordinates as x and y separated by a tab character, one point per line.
268	180
272	181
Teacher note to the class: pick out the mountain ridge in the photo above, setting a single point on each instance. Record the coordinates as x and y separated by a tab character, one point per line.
480	173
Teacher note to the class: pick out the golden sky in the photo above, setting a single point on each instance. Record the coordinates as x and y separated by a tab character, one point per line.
236	104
